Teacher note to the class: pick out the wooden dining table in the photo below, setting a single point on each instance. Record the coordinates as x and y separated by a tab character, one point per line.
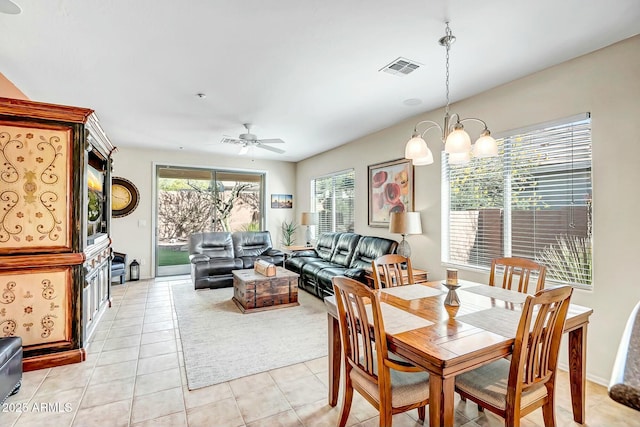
449	340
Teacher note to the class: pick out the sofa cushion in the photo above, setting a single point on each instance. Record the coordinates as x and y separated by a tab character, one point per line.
344	249
324	276
250	246
325	245
370	248
311	269
295	264
215	244
251	243
217	266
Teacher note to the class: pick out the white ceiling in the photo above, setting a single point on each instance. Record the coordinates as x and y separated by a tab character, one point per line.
305	71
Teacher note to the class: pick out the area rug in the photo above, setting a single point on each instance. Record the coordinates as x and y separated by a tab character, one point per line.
220	343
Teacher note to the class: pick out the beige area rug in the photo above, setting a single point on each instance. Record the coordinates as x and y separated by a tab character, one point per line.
220	343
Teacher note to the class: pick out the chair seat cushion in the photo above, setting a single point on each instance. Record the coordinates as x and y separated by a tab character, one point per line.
407	388
489	384
117	268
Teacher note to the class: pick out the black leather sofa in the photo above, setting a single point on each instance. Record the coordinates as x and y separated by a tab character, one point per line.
214	255
337	254
10	366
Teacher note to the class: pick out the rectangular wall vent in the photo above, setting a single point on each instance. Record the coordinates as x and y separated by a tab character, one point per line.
401	66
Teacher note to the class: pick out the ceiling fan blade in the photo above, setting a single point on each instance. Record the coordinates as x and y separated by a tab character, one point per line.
271	141
9	7
267	147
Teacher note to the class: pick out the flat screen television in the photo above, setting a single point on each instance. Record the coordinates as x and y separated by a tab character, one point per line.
95	208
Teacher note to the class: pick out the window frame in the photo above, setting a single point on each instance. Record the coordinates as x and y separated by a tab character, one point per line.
578	167
316	203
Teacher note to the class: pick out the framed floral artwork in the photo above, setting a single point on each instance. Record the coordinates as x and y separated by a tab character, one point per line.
390	190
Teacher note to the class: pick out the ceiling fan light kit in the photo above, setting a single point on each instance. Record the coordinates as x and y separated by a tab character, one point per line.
249	140
457	142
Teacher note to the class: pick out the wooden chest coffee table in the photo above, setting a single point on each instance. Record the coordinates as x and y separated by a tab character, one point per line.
255	292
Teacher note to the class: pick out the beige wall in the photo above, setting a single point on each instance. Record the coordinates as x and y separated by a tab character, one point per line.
604	83
133	234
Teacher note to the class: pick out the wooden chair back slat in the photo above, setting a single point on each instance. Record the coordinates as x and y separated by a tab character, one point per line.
362	340
535	353
388	271
517	270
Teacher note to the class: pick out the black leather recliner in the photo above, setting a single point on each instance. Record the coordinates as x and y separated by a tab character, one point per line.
337	254
340	259
212	259
214	255
10	366
323	250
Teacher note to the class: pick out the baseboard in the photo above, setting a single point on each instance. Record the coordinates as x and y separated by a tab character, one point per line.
54	359
593	378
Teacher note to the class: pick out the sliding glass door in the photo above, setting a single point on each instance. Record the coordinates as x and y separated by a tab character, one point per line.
191	200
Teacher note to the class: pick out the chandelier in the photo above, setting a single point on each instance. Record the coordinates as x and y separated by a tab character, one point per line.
457	142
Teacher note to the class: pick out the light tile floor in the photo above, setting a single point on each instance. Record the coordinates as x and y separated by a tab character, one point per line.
134	376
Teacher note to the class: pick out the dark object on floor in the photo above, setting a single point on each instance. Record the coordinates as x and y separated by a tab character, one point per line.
624	386
119	266
10	366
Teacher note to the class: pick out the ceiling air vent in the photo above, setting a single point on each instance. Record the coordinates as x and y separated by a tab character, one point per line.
400	66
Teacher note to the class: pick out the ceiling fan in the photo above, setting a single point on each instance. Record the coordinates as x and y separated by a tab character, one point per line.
248	140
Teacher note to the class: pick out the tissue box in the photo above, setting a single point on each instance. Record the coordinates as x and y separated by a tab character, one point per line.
265	268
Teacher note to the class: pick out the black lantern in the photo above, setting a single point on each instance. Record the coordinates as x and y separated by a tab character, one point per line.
134	270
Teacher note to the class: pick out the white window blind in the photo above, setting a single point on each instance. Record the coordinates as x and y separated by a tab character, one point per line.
333	199
533	201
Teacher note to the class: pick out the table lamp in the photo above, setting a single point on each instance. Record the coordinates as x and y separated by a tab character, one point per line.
308	219
405	223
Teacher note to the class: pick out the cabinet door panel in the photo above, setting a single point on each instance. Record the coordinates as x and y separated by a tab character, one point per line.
36	181
36	305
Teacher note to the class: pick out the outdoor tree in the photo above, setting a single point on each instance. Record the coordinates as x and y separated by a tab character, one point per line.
186	207
182	213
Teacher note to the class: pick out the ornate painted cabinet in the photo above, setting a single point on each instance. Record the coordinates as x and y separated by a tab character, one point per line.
55	249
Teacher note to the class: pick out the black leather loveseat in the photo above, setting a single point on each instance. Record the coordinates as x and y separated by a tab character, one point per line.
337	254
213	255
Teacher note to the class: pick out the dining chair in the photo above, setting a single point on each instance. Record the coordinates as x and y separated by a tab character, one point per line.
393	386
517	270
514	388
388	271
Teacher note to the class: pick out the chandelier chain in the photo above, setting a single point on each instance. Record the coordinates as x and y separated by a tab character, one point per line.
447	78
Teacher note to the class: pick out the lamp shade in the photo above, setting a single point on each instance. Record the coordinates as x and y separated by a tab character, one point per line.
405	223
458	141
485	146
416	148
423	161
309	218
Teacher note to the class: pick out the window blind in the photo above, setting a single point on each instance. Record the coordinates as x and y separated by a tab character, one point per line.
333	198
532	201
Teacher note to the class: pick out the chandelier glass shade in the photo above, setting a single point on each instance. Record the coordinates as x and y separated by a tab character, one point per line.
457	142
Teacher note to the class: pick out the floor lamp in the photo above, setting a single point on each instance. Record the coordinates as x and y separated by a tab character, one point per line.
308	219
405	223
